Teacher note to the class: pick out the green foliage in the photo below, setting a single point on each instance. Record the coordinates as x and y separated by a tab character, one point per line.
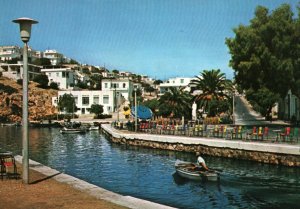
81	85
13	61
42	61
53	85
176	103
95	82
157	82
86	71
42	80
149	89
262	100
96	109
153	104
66	103
214	87
265	54
115	71
20	82
7	89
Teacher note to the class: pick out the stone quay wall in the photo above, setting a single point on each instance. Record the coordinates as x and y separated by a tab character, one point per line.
267	156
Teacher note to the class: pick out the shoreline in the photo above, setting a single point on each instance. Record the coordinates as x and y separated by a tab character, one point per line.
96	195
270	153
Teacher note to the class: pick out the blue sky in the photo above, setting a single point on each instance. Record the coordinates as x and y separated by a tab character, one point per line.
159	38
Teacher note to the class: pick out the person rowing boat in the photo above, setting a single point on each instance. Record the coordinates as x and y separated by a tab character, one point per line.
200	165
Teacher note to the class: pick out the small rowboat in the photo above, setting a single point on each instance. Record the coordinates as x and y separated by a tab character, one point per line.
185	170
65	130
93	128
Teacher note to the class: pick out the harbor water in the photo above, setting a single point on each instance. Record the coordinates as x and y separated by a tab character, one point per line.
150	174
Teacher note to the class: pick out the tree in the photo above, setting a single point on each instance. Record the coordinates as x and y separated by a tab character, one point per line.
149	89
157	82
214	87
42	80
262	100
267	48
42	61
66	103
85	70
54	85
115	71
97	110
95	82
176	103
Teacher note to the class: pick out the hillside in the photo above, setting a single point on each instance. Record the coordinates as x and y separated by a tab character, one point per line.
39	101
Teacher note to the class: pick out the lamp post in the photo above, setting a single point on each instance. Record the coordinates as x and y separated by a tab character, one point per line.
25	31
135	110
233	101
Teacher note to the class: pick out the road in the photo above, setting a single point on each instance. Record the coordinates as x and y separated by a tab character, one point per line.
245	115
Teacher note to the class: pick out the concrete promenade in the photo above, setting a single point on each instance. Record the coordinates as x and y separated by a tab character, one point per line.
211	142
92	190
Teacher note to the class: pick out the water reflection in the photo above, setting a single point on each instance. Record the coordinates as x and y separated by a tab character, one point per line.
150	173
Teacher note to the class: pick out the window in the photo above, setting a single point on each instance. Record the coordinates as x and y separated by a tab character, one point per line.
63	74
76	99
105	85
57	74
96	100
49	74
181	80
124	85
85	100
105	99
67	74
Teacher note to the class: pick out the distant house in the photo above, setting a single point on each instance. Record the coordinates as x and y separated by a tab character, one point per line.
122	85
10	52
54	57
15	71
64	77
179	82
85	98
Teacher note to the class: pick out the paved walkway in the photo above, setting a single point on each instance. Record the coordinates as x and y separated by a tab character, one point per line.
208	141
89	189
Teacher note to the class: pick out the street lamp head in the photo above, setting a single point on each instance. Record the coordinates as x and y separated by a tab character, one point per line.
25	27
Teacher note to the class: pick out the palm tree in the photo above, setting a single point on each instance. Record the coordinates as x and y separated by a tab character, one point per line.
213	86
176	103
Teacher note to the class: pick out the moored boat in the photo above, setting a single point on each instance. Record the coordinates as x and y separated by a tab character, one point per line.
185	170
93	128
66	130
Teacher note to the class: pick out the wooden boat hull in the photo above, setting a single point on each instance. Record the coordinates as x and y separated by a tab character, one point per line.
184	170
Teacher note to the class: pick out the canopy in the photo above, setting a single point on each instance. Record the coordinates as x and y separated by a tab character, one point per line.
142	112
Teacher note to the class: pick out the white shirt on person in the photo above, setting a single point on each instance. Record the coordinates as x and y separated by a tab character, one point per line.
200	160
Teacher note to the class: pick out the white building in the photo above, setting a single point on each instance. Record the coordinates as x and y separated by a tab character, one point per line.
54	57
64	77
179	82
15	71
10	52
85	98
122	85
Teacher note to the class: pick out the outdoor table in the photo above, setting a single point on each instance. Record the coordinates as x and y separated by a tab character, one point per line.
277	131
229	132
7	159
210	129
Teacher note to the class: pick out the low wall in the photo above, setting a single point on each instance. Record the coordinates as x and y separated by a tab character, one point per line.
276	155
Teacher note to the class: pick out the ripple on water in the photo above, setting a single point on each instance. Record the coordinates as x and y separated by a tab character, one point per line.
150	174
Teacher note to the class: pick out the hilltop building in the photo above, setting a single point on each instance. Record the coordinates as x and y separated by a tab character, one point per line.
64	77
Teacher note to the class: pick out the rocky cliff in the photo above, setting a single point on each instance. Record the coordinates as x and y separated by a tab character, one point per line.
39	101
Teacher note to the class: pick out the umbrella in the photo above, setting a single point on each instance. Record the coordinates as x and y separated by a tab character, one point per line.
142	112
